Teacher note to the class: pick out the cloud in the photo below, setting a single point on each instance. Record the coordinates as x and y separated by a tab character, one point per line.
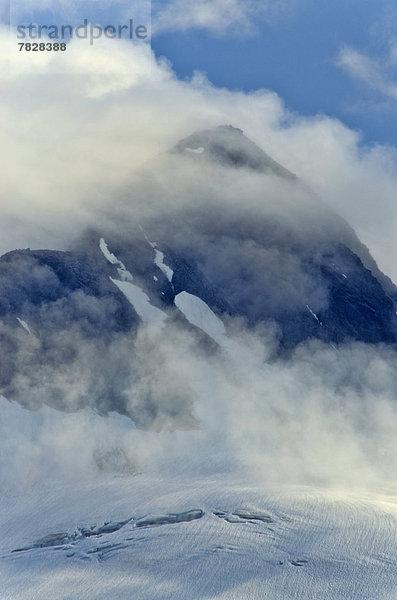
105	116
71	145
377	75
216	16
326	417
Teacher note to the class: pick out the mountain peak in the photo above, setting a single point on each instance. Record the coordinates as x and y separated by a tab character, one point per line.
229	146
230	129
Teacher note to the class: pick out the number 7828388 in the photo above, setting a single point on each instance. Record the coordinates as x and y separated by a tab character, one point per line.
42	47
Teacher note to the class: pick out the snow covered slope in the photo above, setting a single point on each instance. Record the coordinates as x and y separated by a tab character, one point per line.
175	535
308	546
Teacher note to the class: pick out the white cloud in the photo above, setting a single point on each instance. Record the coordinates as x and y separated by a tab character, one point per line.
72	141
216	16
375	74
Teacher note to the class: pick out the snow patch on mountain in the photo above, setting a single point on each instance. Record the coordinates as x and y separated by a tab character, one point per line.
198	313
24	325
150	315
195	150
159	259
313	314
124	274
107	254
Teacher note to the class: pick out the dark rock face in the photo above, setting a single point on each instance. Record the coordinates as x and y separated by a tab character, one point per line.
59	310
353	304
34	284
259	268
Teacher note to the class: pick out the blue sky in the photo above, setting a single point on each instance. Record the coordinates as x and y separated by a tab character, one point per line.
315	54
